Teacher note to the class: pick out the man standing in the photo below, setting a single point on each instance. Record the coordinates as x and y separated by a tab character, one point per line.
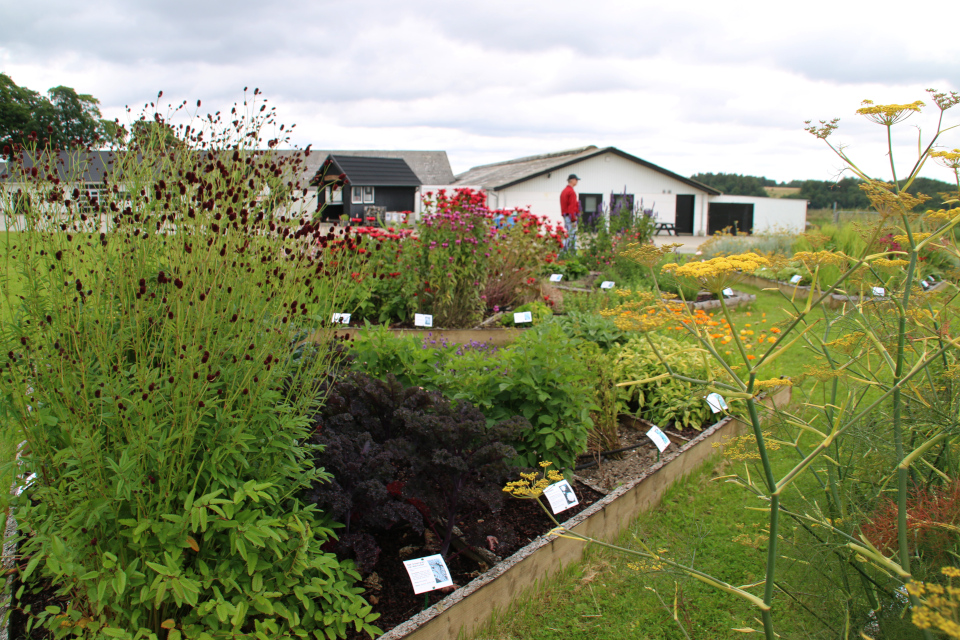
570	209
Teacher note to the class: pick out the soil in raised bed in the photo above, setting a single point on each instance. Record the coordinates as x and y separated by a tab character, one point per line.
518	524
609	472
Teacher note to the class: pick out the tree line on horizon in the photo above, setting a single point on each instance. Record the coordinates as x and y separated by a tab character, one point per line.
822	194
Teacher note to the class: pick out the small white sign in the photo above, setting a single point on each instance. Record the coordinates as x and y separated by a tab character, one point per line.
523	316
716	402
796	279
428	573
556	277
422	320
561	497
727	293
341	318
879	292
931	279
607	284
924	284
659	438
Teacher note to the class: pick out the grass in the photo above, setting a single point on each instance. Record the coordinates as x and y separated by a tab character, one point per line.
704	522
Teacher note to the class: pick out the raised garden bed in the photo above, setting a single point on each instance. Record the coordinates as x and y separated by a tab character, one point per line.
470	606
495	336
738	298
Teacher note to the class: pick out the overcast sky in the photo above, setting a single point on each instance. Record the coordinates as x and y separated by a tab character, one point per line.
696	87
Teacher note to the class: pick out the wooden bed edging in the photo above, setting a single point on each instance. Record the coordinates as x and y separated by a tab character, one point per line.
468	608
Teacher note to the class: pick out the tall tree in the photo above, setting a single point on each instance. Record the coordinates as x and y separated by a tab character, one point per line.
63	118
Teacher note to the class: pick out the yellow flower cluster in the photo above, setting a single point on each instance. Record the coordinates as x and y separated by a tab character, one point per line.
717	274
949	159
647	255
888	114
531	485
772	383
823	373
846	343
744	447
885	263
886	201
941	604
813	259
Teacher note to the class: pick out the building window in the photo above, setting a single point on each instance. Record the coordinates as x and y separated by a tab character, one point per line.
333	195
356	196
368	195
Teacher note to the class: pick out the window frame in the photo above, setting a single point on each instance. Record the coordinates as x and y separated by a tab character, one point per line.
369	191
356	195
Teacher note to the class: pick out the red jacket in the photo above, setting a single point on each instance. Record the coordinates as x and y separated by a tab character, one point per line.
569	203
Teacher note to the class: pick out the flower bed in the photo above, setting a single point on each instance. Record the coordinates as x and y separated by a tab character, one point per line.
468	608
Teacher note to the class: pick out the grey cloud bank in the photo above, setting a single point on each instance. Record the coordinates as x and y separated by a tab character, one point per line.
698	88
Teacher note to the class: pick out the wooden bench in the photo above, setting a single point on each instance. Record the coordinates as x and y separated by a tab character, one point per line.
669	227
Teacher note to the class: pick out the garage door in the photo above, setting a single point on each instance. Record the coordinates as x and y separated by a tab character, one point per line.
736	217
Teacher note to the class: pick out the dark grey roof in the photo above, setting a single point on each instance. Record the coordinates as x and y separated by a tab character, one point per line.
431	167
71	166
380	172
501	175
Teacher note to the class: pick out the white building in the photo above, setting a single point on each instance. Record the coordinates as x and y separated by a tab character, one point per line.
609	176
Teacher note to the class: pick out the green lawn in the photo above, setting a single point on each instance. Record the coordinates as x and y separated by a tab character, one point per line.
704	522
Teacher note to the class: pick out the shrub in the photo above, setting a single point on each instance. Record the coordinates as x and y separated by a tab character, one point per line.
591	327
149	368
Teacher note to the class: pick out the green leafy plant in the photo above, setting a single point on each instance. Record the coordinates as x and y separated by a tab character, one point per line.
157	370
539	311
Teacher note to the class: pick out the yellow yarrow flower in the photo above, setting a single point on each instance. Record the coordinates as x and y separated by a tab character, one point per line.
717	274
888	114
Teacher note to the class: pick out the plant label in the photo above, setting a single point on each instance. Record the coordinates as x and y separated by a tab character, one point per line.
606	284
796	279
341	318
879	292
428	573
931	279
561	497
523	316
924	284
556	277
727	293
716	402
659	438
422	320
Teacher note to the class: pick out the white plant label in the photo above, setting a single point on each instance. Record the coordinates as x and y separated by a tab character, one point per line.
607	284
422	320
879	292
924	284
716	402
341	318
561	497
659	438
556	277
428	573
796	279
523	316
727	293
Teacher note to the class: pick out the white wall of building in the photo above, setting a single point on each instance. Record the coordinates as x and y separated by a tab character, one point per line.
772	214
601	174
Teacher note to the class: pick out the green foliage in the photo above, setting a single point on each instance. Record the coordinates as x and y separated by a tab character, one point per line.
60	119
539	311
735	184
668	399
158	375
591	327
571	268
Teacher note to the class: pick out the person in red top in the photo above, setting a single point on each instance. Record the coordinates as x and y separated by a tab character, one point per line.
570	210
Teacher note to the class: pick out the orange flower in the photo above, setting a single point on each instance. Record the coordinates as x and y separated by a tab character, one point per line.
751	357
774	330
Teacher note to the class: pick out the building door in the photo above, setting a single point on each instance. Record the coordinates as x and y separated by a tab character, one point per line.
684	219
591	205
735	216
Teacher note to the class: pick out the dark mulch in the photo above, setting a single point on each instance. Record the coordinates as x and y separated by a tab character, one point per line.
514	527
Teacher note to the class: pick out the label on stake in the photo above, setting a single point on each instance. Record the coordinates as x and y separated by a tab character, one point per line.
428	573
561	497
727	293
341	318
879	292
716	402
796	279
523	316
607	284
422	320
659	438
556	277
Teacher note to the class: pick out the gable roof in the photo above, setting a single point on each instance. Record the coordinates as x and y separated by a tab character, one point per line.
501	175
431	167
70	166
379	172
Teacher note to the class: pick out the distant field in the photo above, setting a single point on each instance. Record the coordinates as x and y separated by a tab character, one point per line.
779	192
